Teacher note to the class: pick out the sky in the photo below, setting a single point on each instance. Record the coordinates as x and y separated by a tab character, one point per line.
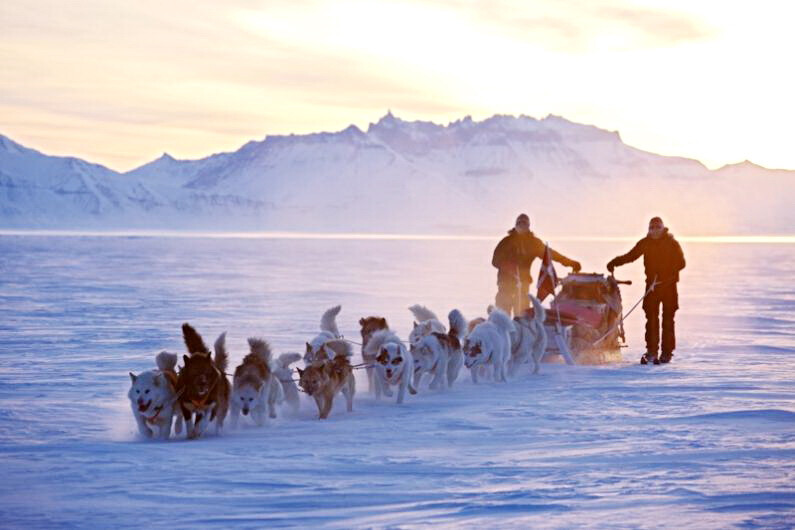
119	83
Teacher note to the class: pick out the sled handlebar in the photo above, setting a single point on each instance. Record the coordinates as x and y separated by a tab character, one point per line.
621	282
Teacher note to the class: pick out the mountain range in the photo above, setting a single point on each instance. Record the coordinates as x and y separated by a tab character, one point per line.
466	177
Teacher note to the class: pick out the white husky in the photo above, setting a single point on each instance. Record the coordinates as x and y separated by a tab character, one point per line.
153	398
255	388
425	324
489	344
529	342
282	370
328	337
440	353
394	364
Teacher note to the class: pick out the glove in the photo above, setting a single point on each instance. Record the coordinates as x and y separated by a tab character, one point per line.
576	267
611	265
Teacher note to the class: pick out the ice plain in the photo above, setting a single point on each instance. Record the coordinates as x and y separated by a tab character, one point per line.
706	442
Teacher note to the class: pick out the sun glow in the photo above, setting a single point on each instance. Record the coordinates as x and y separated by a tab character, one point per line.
119	83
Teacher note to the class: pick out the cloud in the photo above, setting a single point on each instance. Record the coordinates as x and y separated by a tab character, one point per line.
577	26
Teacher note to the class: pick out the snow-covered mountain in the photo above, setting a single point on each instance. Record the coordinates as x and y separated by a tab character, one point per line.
404	177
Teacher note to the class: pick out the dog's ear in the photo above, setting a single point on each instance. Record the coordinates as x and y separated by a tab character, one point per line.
415	324
133	377
383	322
308	348
186	359
361	322
300	372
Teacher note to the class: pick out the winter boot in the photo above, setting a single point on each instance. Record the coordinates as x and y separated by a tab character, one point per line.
666	357
649	357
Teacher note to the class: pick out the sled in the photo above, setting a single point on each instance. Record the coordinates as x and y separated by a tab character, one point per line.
583	322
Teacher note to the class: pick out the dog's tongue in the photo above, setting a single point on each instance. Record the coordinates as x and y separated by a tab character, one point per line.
142	407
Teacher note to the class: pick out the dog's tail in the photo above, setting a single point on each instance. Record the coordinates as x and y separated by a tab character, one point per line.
337	347
378	339
166	362
458	324
193	341
260	348
539	313
422	313
328	322
286	359
221	355
499	318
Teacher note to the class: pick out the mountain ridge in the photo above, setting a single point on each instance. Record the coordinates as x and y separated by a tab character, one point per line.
465	175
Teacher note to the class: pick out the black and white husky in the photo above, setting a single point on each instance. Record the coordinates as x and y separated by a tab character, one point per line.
394	364
328	339
440	353
529	341
489	344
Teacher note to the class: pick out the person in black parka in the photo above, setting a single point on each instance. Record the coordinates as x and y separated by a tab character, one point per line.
512	257
662	259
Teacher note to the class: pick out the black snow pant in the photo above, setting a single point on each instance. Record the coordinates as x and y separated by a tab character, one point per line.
667	296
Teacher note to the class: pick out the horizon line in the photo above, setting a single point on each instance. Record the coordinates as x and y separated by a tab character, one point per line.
745	239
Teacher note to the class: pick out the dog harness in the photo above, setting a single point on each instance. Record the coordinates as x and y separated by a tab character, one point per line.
154	419
201	404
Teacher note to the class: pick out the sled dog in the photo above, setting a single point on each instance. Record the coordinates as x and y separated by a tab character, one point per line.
489	344
323	380
284	373
440	353
529	342
202	385
255	388
369	325
425	323
394	364
329	335
153	398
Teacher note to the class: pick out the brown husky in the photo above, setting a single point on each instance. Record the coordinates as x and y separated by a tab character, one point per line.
369	326
202	385
322	381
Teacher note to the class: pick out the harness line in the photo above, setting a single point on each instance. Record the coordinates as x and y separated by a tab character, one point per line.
620	321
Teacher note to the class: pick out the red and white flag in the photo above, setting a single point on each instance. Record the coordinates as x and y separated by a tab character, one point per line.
547	278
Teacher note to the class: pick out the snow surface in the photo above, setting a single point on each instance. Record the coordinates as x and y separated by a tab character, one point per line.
425	175
706	442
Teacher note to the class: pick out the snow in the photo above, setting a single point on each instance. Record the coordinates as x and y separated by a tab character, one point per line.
425	173
705	442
